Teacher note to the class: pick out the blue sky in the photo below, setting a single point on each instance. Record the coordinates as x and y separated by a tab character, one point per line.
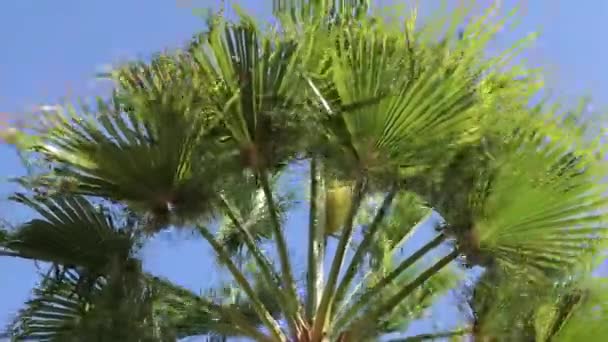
51	49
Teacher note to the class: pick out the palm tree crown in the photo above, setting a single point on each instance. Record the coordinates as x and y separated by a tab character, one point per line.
392	130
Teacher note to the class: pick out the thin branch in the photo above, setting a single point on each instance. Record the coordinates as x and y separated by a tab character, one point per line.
396	299
288	280
433	336
362	248
388	279
330	286
314	244
269	274
240	278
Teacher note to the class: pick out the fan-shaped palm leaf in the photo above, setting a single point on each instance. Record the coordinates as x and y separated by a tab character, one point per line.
95	284
203	132
152	159
530	194
66	309
420	103
54	312
255	80
70	232
136	307
541	208
507	306
387	270
187	314
392	128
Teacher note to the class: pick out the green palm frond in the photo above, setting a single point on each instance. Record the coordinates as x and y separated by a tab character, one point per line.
71	309
530	194
421	300
579	313
298	12
255	82
410	308
255	86
53	313
387	272
408	210
394	220
187	314
221	310
139	308
421	97
70	232
181	310
95	283
503	304
246	201
543	207
264	291
165	73
151	159
169	82
551	317
512	307
404	129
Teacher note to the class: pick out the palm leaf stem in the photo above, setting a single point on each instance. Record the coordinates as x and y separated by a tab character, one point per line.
362	248
269	274
288	280
240	278
394	301
365	299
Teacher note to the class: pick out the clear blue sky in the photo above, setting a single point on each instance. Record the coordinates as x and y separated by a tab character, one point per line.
51	48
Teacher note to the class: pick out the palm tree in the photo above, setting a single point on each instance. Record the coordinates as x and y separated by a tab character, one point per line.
398	132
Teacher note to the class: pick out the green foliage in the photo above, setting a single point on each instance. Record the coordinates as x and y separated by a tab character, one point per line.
406	130
71	232
247	203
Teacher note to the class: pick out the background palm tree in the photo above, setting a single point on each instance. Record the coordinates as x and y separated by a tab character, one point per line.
399	128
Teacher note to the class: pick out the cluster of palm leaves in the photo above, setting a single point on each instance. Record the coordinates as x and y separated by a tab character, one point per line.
394	130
